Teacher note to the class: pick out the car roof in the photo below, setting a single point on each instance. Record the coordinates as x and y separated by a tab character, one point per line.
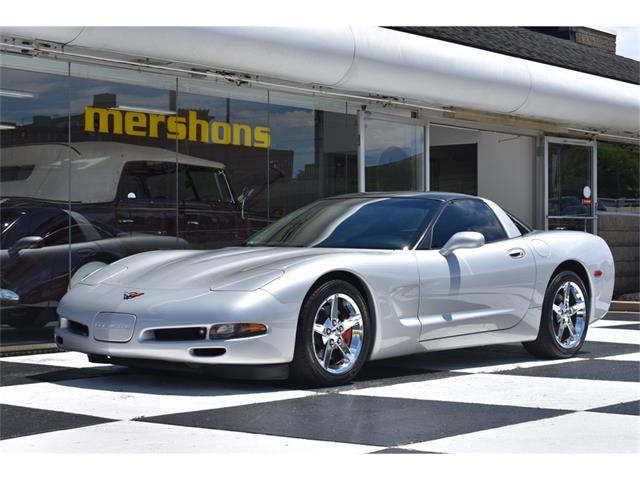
439	196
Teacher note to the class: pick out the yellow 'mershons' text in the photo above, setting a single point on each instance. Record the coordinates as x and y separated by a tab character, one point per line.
176	127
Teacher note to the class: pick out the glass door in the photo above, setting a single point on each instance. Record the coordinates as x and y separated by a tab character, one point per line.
570	185
393	154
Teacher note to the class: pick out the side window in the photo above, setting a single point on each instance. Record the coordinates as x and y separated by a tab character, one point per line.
208	183
467	216
61	236
147	180
188	179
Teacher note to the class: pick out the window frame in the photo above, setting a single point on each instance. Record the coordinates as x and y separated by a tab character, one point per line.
519	223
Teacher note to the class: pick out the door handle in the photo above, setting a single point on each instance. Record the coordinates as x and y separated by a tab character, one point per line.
516	253
193	222
125	220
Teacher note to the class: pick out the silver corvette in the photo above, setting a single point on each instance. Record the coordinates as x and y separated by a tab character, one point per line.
342	281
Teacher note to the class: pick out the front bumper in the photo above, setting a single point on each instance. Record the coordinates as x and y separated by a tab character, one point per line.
84	305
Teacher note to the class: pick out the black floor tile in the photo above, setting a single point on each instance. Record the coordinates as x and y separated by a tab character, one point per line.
399	450
629	408
628	316
587	370
605	349
358	419
21	421
15	373
462	358
376	374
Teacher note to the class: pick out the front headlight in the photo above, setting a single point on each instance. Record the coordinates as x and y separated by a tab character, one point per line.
224	331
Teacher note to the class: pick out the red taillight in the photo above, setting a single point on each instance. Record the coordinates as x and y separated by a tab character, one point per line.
597	273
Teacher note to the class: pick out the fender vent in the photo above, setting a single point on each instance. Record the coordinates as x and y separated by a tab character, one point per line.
78	328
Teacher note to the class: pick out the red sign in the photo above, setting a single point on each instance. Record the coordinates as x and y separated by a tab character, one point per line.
586	201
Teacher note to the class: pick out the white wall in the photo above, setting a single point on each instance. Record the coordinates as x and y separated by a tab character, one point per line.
506	172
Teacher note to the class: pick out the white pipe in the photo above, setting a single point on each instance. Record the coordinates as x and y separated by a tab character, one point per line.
372	60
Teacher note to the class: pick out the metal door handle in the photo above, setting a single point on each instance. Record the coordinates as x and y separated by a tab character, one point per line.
516	253
193	222
125	220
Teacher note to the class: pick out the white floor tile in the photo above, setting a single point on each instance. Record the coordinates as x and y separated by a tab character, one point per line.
581	432
609	323
626	357
62	359
512	366
613	335
513	390
140	437
125	397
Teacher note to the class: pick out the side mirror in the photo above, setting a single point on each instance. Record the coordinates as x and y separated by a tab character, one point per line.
462	240
26	243
242	198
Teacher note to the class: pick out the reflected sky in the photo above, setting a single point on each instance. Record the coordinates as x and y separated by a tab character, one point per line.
292	128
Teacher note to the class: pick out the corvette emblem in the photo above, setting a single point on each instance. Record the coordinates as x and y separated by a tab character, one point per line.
130	295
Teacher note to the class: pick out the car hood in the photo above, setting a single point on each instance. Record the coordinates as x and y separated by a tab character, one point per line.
235	268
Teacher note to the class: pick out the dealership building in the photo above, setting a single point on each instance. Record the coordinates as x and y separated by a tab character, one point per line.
116	140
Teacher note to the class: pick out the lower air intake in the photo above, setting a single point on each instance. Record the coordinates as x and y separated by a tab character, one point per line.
179	334
208	352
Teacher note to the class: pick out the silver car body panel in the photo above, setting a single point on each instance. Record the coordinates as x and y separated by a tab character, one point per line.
419	300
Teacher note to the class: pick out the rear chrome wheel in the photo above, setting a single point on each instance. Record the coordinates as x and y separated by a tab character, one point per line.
564	318
569	315
334	335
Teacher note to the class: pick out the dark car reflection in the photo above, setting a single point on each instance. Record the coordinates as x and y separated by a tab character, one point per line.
45	249
67	210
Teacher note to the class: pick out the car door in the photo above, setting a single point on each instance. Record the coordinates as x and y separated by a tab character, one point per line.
146	199
209	216
472	290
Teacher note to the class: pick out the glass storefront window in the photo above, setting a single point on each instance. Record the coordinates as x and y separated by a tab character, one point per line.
223	178
453	159
322	144
111	162
394	156
34	180
618	178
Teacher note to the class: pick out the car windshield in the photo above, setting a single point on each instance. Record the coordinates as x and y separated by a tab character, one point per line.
364	222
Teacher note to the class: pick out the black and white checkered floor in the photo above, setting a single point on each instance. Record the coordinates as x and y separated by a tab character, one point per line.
482	400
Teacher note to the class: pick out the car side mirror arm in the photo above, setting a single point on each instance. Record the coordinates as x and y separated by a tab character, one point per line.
26	243
462	240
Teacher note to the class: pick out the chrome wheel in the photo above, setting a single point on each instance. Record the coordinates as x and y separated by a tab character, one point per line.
338	333
569	315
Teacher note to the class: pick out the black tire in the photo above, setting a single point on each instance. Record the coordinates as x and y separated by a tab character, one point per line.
547	345
306	367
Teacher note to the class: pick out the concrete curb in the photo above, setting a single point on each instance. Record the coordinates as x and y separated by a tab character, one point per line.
618	306
29	349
